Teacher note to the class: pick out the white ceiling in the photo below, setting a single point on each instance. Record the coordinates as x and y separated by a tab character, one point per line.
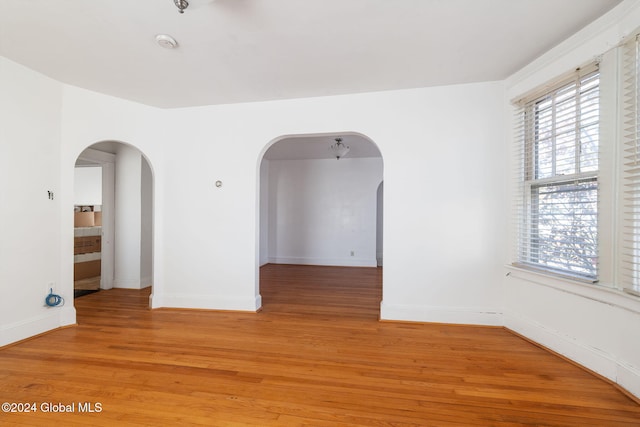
317	147
254	50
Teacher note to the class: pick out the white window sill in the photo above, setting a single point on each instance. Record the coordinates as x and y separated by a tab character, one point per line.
596	291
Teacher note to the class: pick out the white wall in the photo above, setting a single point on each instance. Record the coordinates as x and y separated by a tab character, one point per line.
206	238
30	236
596	325
265	204
128	215
322	211
146	225
380	224
438	171
107	267
88	185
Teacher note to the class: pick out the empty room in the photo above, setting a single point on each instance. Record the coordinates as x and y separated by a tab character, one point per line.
320	213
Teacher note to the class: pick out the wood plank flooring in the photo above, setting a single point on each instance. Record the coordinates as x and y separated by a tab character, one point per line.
316	355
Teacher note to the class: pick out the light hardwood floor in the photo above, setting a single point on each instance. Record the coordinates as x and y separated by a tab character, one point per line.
316	355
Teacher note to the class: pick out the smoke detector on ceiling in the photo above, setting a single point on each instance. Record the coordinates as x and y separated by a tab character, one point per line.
166	41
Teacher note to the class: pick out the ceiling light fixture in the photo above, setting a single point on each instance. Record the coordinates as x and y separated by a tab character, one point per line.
181	5
339	149
166	41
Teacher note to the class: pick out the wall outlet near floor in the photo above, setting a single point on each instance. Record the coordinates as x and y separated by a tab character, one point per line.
353	253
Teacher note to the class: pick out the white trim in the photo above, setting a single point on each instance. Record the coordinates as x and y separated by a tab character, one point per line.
595	292
628	377
108	225
488	316
595	359
126	284
603	34
53	318
206	302
631	291
609	352
107	162
338	262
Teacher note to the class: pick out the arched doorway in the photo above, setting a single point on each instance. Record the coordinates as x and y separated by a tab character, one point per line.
113	233
317	210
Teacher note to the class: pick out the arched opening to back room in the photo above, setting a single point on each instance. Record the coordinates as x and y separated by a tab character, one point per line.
321	225
113	219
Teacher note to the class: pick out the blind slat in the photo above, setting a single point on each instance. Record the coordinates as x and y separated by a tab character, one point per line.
630	248
556	159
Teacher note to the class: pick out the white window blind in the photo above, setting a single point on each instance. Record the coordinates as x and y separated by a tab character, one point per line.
630	252
557	134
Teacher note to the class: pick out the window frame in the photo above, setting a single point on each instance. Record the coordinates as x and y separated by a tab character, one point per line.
528	137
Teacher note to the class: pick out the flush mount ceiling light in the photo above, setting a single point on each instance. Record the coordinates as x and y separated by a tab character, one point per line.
181	5
166	41
339	149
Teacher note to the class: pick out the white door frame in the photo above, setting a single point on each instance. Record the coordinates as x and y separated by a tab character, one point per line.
107	162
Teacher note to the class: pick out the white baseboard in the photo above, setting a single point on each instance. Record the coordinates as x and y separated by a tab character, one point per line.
206	302
629	378
53	318
126	284
337	262
459	315
144	282
592	358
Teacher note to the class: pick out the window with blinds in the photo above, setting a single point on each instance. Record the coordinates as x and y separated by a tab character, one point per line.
630	251
557	213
